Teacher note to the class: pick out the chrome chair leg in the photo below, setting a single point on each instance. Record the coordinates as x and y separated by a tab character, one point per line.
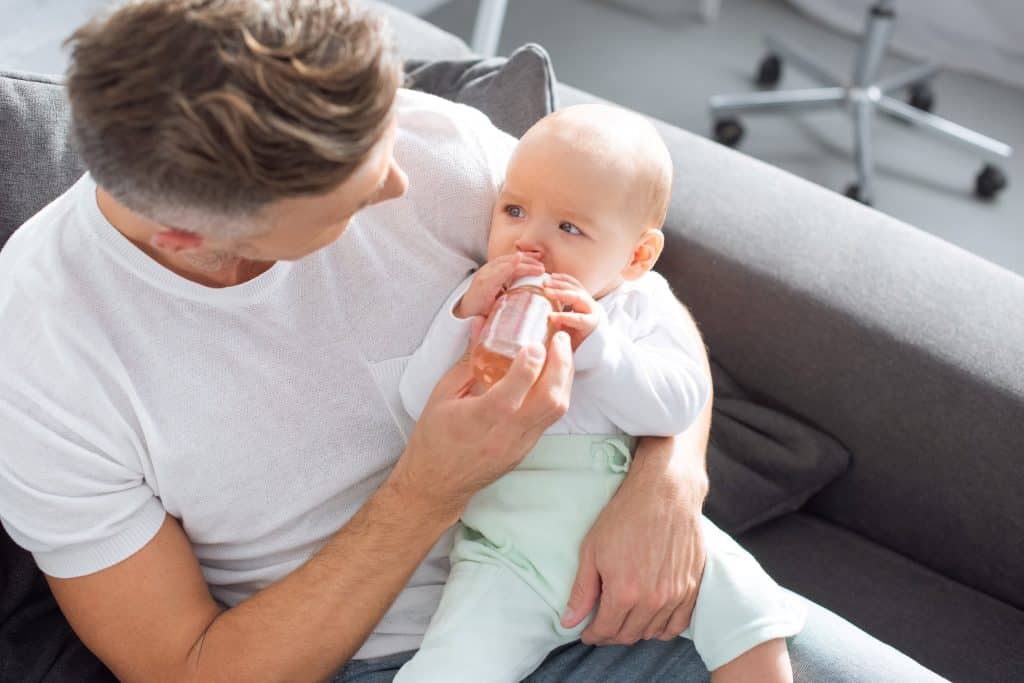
860	96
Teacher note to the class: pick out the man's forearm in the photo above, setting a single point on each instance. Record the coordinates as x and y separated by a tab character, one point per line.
310	623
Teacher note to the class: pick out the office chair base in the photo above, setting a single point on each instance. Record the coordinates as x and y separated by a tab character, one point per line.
861	96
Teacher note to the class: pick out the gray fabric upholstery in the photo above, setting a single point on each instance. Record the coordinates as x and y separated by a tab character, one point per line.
958	632
515	93
762	463
903	347
36	161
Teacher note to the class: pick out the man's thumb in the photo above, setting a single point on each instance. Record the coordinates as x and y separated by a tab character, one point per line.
585	591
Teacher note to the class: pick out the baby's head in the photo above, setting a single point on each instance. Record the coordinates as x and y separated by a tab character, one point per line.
586	193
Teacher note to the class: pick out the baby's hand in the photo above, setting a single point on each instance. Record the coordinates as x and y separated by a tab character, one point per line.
490	281
585	314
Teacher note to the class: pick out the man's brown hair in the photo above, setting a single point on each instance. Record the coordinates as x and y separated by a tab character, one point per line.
222	106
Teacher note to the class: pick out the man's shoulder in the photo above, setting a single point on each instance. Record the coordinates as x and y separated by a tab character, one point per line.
431	127
37	235
46	262
414	108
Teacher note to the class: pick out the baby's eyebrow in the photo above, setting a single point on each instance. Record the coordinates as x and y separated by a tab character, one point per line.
512	197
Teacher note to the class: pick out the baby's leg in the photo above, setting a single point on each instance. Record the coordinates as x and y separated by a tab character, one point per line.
490	626
741	617
767	663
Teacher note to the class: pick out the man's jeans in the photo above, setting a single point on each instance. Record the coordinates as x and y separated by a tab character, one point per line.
828	650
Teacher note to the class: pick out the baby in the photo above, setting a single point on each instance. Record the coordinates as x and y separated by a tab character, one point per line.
585	195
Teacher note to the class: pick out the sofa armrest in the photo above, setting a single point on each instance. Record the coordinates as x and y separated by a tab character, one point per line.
907	349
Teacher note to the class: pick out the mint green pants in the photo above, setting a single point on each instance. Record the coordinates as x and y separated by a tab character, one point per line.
515	557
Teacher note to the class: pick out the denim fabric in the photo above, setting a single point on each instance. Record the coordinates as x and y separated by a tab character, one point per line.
829	649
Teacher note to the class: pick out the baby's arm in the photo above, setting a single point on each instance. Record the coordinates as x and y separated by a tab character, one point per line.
449	334
443	346
646	372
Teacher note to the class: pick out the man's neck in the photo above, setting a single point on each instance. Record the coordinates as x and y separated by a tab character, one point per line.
208	267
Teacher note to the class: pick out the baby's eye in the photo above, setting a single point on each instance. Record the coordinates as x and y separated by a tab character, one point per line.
569	228
514	211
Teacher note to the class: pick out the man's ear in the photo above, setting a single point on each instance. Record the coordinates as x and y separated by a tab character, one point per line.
173	240
645	253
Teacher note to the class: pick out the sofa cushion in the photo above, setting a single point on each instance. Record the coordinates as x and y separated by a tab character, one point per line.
958	632
762	462
37	161
514	93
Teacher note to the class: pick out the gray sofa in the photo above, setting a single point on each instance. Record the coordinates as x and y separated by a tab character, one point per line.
904	349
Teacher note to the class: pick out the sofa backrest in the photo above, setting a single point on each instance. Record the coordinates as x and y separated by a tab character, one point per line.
36	160
907	349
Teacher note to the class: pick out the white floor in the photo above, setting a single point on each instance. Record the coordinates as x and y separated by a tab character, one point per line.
658	57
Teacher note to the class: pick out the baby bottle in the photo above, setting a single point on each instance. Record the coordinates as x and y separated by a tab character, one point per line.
519	318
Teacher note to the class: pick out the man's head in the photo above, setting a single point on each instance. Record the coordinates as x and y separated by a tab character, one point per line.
259	125
586	193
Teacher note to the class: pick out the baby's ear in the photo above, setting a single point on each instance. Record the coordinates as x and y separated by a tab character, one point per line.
645	254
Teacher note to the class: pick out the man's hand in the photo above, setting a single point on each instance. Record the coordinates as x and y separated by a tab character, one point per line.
644	556
465	439
491	280
585	314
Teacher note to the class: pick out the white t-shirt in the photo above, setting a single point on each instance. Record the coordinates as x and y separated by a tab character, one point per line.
261	416
640	372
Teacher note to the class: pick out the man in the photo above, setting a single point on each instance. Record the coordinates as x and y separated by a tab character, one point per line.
202	447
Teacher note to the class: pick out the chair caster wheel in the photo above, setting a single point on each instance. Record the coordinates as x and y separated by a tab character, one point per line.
922	96
728	132
990	182
769	71
853	192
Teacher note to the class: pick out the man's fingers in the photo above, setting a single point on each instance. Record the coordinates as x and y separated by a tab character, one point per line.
585	591
607	623
634	626
659	623
679	622
550	394
507	394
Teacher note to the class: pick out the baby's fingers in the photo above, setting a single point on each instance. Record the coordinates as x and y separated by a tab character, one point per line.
576	321
579	300
567	279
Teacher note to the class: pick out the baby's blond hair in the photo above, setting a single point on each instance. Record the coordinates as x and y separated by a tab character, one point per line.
617	138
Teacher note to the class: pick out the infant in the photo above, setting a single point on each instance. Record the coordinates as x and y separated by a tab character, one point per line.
584	199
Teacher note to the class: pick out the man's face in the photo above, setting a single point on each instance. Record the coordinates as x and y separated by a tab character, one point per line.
302	225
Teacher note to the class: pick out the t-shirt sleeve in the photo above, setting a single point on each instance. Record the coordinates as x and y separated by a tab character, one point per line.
644	363
72	489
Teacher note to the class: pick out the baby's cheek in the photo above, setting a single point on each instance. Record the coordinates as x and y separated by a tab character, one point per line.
498	241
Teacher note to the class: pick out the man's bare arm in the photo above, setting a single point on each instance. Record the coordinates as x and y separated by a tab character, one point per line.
151	617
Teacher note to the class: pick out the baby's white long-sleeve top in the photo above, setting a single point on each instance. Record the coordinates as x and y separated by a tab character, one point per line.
640	372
